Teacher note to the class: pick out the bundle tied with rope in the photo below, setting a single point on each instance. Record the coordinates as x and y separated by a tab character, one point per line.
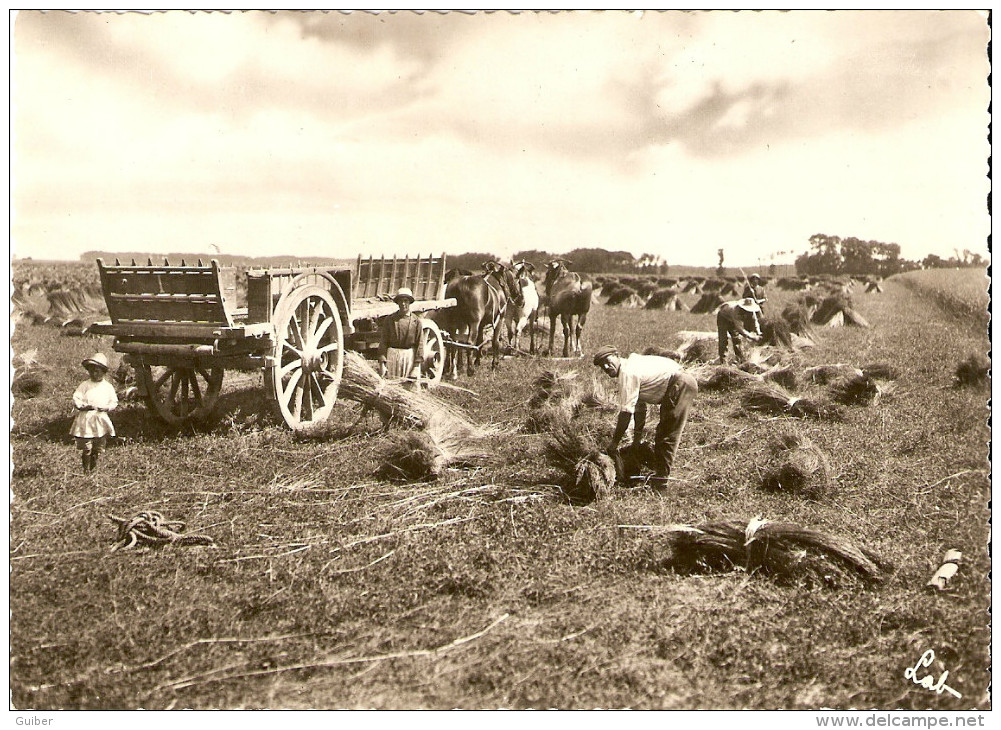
439	436
772	399
783	550
587	473
564	395
151	529
796	465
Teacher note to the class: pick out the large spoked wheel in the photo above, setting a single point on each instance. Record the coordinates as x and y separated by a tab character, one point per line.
433	366
309	357
180	393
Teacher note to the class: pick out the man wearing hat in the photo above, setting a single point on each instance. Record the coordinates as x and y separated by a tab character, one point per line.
754	290
650	380
93	399
735	320
401	340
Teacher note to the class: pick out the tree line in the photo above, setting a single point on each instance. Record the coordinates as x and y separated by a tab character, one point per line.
853	257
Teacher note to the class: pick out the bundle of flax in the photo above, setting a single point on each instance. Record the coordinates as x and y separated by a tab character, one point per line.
698	346
588	474
781	549
397	404
722	377
774	399
416	456
824	374
796	466
559	395
855	390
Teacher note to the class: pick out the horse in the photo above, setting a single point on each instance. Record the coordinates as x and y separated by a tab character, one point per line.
480	301
568	296
526	311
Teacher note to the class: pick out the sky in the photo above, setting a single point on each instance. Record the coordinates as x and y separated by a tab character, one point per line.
332	134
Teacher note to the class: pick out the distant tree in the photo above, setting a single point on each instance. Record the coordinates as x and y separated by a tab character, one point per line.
537	258
720	271
470	261
931	261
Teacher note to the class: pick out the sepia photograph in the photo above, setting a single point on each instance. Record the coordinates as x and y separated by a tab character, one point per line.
500	360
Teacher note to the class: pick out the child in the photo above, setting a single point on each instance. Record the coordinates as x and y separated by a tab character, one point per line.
92	400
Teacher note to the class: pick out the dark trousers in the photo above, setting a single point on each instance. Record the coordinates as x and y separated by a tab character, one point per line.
725	329
681	391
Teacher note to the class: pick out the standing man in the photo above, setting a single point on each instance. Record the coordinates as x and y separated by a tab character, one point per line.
754	290
645	380
401	340
735	320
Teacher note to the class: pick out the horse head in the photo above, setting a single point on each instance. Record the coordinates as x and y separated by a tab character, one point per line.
507	280
555	269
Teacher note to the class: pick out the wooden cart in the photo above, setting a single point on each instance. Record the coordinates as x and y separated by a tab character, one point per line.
180	330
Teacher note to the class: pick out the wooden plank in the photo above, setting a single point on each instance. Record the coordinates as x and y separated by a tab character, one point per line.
393	287
181	330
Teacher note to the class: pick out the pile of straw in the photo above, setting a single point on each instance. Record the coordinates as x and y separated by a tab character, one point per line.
666	299
855	390
722	377
783	375
399	405
588	474
631	460
698	346
796	466
837	311
707	303
559	395
773	399
662	352
824	374
420	456
974	371
780	549
776	332
28	381
881	371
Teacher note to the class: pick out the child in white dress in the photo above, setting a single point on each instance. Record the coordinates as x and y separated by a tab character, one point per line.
93	399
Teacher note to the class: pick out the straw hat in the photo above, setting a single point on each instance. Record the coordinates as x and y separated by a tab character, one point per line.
99	359
404	293
749	305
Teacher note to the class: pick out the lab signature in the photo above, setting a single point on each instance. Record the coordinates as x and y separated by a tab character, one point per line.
927	681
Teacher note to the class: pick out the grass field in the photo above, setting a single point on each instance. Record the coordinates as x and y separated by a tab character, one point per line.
330	588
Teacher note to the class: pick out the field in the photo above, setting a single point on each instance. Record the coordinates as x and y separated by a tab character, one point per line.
329	587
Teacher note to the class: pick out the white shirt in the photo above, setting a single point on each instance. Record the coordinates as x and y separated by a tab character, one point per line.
91	424
644	378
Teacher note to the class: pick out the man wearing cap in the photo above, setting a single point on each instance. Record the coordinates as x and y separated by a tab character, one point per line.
645	380
401	340
754	290
735	320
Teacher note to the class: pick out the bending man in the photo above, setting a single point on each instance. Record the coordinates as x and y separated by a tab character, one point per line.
645	380
735	320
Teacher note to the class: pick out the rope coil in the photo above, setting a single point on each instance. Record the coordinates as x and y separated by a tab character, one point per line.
152	529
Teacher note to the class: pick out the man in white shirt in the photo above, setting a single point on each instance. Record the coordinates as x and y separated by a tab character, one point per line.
645	380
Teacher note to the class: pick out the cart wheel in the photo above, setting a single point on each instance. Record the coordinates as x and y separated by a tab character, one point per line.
309	357
180	393
433	366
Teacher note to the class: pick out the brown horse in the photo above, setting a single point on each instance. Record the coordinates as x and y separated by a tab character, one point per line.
568	296
480	302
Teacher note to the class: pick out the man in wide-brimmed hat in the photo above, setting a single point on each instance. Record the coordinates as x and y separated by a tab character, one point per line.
735	320
401	341
646	380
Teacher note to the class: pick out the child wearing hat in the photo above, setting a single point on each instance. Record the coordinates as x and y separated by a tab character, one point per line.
93	399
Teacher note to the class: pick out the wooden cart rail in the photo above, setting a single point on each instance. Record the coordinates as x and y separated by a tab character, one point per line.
150	293
383	277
